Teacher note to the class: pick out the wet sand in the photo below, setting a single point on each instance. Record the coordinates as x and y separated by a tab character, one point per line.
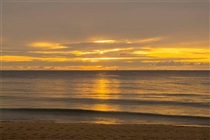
75	131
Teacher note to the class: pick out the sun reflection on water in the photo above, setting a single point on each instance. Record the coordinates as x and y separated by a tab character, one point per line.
104	87
103	107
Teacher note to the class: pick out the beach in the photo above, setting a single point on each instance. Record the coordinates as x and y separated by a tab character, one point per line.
90	131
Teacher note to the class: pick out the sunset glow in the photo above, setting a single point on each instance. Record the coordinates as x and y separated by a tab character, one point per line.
46	45
136	36
104	41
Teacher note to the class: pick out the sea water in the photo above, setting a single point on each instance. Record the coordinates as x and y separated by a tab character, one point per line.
160	97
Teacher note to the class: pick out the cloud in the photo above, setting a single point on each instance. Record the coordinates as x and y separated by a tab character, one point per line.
178	63
129	35
105	41
205	64
16	58
170	63
122	53
47	45
147	40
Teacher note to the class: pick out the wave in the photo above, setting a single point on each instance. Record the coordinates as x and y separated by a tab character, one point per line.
56	111
129	102
117	101
139	102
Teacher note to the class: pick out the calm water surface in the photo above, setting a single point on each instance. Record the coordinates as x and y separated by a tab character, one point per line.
166	97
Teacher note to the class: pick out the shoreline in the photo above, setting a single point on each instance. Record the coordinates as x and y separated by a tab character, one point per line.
88	131
104	123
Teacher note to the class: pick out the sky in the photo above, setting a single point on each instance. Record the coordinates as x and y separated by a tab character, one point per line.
105	35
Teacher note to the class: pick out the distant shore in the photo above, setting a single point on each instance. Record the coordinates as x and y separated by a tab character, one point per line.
87	131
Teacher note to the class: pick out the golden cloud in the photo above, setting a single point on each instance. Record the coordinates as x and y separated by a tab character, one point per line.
105	41
47	45
129	41
79	53
9	58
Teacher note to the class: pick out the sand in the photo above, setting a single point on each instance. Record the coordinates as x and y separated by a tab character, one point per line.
74	131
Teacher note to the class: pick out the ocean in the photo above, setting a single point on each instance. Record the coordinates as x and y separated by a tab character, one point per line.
110	97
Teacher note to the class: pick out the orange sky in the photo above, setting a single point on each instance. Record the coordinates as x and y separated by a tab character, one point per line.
105	35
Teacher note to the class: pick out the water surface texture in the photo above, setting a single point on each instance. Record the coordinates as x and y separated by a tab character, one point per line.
166	97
